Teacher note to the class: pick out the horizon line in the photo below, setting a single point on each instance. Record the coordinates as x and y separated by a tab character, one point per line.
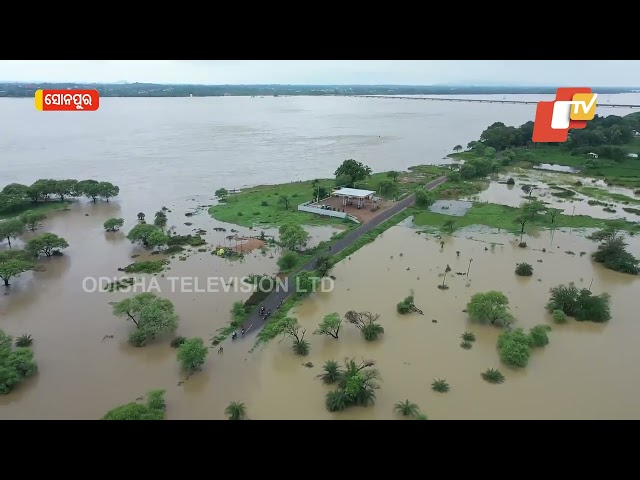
450	85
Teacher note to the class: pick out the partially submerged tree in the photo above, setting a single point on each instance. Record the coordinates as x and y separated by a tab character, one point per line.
538	335
65	188
528	213
153	409
192	354
356	386
407	409
330	325
160	219
290	328
16	364
293	236
13	263
147	235
367	323
31	219
236	411
331	372
113	224
444	279
579	303
89	188
11	228
107	190
612	252
46	244
490	307
153	316
514	348
524	269
407	305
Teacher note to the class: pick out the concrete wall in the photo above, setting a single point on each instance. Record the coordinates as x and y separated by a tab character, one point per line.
306	207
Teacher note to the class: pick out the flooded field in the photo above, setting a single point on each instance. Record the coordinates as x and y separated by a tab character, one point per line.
544	186
586	371
72	328
86	366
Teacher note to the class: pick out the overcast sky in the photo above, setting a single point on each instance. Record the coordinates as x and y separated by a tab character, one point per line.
593	73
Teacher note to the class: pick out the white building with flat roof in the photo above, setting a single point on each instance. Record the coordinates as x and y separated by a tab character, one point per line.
348	194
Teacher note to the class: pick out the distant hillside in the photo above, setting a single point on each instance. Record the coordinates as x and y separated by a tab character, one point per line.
158	90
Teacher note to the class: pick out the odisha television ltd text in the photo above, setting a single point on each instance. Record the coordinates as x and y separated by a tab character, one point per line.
184	284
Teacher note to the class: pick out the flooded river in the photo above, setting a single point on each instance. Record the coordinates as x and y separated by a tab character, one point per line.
175	153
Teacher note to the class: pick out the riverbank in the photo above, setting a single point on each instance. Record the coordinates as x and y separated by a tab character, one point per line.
39	207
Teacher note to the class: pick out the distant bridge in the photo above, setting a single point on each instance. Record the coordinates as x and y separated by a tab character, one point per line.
474	100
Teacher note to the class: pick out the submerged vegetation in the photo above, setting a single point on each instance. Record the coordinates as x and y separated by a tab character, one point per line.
612	252
492	375
357	385
579	303
152	409
152	316
16	364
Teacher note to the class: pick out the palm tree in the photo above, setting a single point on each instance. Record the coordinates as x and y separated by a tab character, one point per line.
336	401
236	411
331	373
407	409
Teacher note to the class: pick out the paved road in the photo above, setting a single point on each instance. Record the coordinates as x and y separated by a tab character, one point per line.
254	322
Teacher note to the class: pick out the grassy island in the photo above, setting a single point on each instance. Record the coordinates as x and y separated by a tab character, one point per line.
275	205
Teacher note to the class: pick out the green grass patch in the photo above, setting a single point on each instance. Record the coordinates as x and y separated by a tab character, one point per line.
40	207
454	190
502	217
602	194
147	266
261	205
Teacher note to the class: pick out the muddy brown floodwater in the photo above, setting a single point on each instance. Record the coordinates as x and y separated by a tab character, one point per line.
82	374
588	371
